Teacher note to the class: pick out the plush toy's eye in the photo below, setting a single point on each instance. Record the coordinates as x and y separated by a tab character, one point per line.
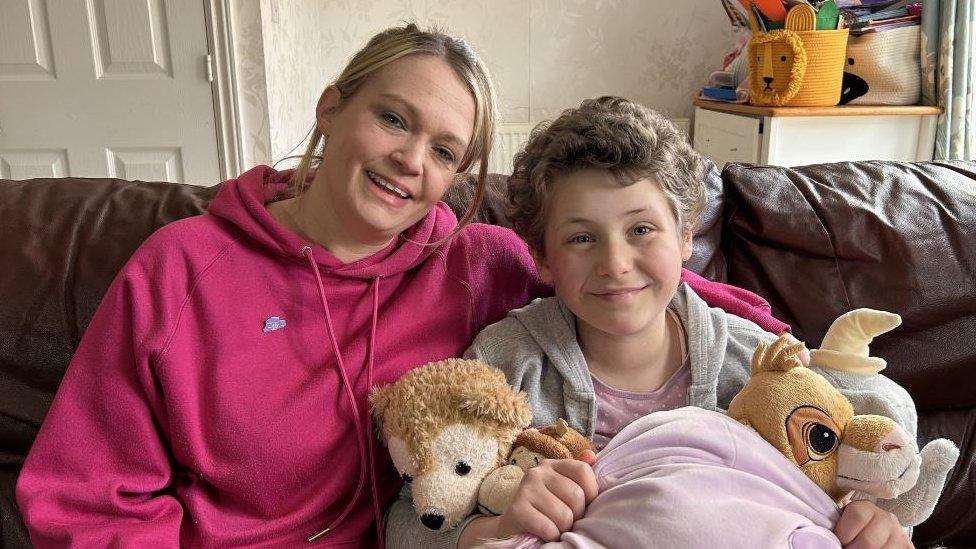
813	435
536	458
821	438
782	58
850	60
462	468
406	478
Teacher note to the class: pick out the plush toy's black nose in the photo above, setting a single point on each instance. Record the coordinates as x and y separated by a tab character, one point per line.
432	521
768	79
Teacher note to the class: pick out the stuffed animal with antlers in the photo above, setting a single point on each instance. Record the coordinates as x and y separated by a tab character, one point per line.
849	456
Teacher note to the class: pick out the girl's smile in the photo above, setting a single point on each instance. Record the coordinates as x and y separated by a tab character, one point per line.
619	295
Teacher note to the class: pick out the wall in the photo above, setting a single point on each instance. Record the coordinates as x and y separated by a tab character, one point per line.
251	101
544	55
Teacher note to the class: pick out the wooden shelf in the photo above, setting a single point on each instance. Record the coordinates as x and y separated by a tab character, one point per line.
841	110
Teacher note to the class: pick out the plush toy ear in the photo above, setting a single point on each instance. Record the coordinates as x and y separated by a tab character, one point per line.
781	356
379	399
501	404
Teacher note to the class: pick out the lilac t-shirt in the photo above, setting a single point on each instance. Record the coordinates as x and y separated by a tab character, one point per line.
616	409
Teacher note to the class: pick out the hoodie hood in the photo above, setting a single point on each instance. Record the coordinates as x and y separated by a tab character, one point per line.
242	202
552	326
552	329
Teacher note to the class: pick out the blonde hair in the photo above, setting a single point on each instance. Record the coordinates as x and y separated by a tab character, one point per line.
627	139
398	42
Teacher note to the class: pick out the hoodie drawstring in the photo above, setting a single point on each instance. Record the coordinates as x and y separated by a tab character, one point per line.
365	450
380	533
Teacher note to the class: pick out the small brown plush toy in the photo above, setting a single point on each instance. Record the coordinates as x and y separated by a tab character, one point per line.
556	441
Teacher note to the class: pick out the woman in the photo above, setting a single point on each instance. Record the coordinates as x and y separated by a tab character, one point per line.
218	397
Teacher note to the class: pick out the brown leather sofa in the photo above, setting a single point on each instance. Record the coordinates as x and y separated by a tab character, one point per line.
815	241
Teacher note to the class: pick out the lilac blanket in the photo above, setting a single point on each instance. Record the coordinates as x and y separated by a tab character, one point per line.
694	478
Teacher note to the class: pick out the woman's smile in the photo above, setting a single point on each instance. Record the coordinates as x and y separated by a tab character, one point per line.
389	191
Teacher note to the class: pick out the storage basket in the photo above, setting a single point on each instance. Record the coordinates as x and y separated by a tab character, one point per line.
883	68
797	66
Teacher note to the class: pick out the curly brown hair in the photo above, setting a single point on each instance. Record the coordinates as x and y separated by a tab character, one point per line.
627	139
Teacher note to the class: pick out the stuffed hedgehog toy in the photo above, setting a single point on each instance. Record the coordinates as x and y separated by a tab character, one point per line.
450	428
447	425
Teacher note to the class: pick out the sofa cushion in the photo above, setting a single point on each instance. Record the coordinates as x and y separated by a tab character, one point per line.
818	241
64	240
67	239
706	256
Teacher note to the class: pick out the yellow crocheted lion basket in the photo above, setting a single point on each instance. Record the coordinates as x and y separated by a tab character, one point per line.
797	66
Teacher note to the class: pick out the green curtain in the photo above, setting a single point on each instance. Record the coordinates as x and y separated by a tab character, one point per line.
949	74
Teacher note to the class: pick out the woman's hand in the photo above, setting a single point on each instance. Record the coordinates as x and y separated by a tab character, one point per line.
864	525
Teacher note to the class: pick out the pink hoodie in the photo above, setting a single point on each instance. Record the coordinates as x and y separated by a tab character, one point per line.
225	377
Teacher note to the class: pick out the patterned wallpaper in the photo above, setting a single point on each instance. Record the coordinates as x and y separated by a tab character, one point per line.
544	55
252	88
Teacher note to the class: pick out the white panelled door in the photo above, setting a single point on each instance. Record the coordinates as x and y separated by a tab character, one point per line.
106	88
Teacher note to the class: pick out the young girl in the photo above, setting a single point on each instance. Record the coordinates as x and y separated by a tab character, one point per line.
219	395
606	197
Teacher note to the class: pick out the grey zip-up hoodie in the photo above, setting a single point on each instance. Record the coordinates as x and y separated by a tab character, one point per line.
536	348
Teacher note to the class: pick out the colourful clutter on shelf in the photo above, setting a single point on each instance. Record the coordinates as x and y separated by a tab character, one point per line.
821	53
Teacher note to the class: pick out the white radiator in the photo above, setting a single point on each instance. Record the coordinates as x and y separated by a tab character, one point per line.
512	136
509	140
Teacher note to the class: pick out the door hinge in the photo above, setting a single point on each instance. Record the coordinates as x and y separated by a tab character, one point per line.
210	68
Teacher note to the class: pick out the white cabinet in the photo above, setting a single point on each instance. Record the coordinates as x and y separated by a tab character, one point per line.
795	136
725	137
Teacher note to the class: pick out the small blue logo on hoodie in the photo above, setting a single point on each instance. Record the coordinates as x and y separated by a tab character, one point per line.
274	323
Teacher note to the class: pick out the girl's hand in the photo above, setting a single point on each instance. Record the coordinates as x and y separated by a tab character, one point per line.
550	498
864	525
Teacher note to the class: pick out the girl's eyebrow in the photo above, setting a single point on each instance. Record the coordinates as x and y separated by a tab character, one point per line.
580	220
584	221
